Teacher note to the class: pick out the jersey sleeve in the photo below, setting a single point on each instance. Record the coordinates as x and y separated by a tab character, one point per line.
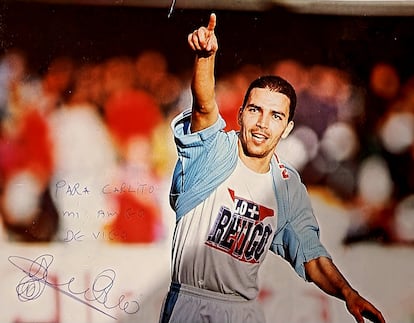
298	240
205	158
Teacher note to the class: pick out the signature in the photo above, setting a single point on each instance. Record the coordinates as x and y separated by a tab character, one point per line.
32	285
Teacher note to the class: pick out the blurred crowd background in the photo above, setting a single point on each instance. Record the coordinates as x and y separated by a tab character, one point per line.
76	116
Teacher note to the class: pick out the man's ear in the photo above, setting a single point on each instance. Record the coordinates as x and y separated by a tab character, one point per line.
288	129
239	116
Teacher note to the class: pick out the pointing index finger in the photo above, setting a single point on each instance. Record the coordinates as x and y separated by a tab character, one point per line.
212	22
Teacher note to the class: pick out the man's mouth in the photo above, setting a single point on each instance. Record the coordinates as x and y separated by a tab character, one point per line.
259	137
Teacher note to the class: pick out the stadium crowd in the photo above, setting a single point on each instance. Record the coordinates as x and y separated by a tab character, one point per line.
110	120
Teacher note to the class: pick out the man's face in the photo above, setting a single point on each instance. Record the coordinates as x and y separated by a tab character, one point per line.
263	121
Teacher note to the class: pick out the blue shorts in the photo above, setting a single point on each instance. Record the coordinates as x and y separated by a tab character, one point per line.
185	303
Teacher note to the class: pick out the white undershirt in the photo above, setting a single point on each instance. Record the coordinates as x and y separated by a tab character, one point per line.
220	244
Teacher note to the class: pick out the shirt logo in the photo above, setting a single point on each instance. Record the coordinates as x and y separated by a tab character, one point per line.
241	234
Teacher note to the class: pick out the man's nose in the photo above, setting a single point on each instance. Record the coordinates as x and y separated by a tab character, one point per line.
262	121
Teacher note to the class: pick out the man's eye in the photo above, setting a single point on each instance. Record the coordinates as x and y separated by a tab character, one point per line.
277	116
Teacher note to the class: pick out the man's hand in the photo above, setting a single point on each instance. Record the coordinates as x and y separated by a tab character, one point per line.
360	308
203	40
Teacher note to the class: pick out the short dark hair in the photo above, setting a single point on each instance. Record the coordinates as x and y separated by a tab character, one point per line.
276	84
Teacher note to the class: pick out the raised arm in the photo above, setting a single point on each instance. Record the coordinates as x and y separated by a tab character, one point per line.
327	277
203	42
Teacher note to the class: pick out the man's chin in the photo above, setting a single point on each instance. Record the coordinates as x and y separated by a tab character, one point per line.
254	153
